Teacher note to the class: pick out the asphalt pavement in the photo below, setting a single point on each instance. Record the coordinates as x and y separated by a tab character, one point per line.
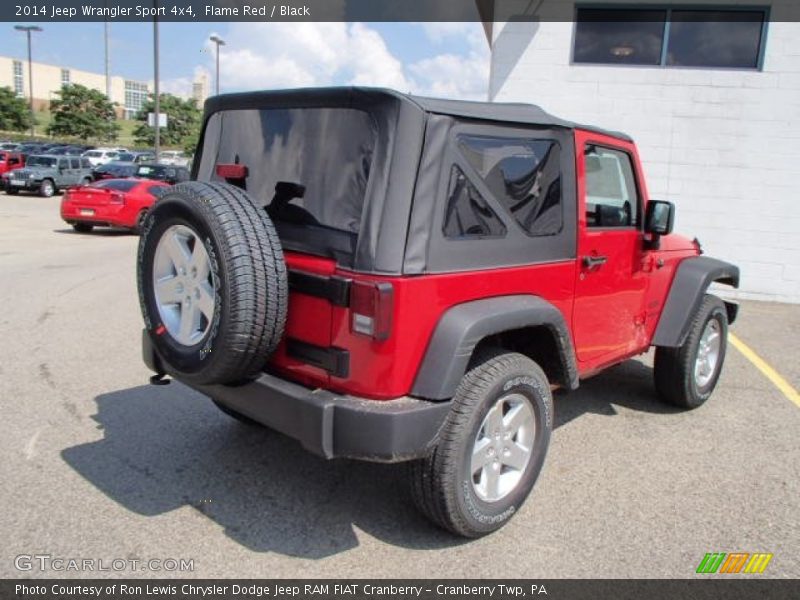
99	465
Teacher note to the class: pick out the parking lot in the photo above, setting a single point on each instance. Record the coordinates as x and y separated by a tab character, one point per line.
99	464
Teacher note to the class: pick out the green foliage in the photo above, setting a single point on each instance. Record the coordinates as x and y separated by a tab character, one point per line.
183	123
14	112
84	113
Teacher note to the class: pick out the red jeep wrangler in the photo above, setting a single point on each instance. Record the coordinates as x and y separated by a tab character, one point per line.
392	278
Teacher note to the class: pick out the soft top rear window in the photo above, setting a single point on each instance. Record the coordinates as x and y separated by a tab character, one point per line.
309	167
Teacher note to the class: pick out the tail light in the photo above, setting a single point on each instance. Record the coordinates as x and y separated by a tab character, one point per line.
234	171
117	199
371	306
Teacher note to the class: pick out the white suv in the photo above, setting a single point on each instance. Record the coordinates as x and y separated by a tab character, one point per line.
101	156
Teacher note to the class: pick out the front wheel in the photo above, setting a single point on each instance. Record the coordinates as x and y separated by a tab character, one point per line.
686	376
47	189
491	447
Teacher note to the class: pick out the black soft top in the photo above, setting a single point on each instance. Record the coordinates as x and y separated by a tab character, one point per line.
397	228
364	97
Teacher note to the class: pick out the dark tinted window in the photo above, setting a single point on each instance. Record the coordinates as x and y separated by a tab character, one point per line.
694	38
63	163
715	38
523	175
611	196
75	163
633	37
85	164
123	185
327	150
468	214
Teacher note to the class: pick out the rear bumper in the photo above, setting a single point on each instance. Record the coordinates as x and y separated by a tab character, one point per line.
104	214
327	424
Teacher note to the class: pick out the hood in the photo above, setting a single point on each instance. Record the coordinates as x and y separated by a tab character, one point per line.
678	243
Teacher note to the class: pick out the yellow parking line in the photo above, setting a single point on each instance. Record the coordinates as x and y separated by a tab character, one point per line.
779	382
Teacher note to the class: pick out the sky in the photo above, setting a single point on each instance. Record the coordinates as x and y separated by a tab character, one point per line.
439	59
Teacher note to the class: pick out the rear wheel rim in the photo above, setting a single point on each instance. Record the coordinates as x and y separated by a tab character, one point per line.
503	448
708	353
184	285
47	188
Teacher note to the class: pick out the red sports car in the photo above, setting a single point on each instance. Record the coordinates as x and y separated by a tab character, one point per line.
110	202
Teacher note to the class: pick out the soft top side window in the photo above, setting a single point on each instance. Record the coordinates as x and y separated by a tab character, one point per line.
468	215
524	176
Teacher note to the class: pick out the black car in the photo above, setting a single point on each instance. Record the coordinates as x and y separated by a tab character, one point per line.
30	148
114	170
167	173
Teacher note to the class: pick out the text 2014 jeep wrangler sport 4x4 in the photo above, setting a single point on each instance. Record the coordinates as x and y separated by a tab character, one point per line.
391	278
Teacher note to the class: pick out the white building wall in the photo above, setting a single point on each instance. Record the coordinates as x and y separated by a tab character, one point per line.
47	81
724	145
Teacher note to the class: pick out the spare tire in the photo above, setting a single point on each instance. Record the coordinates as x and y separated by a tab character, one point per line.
212	283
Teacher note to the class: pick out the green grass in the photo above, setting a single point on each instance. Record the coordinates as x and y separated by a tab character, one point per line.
43	118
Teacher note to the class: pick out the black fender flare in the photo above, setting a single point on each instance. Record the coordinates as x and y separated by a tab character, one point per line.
462	327
692	278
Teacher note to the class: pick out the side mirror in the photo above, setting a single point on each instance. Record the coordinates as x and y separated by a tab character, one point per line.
660	218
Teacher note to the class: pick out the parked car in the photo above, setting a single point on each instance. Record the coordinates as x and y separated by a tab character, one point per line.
10	161
30	149
101	156
420	305
114	170
46	174
111	203
165	173
174	157
9	146
136	156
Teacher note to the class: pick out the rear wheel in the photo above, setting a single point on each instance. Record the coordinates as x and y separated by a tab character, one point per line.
491	448
47	188
686	376
83	227
212	283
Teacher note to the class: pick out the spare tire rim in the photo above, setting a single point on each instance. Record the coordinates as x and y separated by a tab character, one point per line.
503	448
184	285
708	351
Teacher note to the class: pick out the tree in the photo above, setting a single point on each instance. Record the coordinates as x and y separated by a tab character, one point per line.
14	112
83	112
183	122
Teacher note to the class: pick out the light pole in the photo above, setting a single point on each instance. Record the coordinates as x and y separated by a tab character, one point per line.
219	42
157	136
28	29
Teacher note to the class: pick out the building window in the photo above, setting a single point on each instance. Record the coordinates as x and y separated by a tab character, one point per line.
670	37
64	77
19	80
135	96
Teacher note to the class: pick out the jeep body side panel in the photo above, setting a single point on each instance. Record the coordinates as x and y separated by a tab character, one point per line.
387	369
690	283
464	326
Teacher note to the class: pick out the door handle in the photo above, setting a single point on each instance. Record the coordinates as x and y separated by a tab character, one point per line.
590	262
